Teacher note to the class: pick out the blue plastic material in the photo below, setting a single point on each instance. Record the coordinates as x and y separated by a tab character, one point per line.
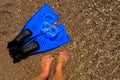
44	14
39	34
53	37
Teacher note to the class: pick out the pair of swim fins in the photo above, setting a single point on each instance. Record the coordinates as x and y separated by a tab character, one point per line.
39	34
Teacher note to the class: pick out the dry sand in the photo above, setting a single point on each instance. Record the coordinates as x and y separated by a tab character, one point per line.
94	27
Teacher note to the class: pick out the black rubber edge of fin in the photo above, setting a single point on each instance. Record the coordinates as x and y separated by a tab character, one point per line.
23	35
30	47
24	52
17	42
18	55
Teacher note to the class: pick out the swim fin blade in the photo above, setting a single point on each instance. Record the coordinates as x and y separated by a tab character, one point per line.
32	28
52	38
38	35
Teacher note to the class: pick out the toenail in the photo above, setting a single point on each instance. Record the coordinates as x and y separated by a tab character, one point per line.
61	50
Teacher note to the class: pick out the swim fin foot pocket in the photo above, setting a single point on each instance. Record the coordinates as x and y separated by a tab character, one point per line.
38	35
17	42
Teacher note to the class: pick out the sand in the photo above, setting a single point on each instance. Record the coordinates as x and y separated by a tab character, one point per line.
94	28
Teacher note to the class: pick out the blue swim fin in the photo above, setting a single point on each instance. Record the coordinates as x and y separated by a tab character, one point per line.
33	26
38	35
53	37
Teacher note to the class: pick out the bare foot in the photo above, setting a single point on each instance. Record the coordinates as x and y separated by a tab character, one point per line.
45	66
62	59
46	63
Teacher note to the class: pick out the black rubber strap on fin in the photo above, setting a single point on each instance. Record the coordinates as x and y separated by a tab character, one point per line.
17	55
16	43
23	35
30	47
23	52
13	44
